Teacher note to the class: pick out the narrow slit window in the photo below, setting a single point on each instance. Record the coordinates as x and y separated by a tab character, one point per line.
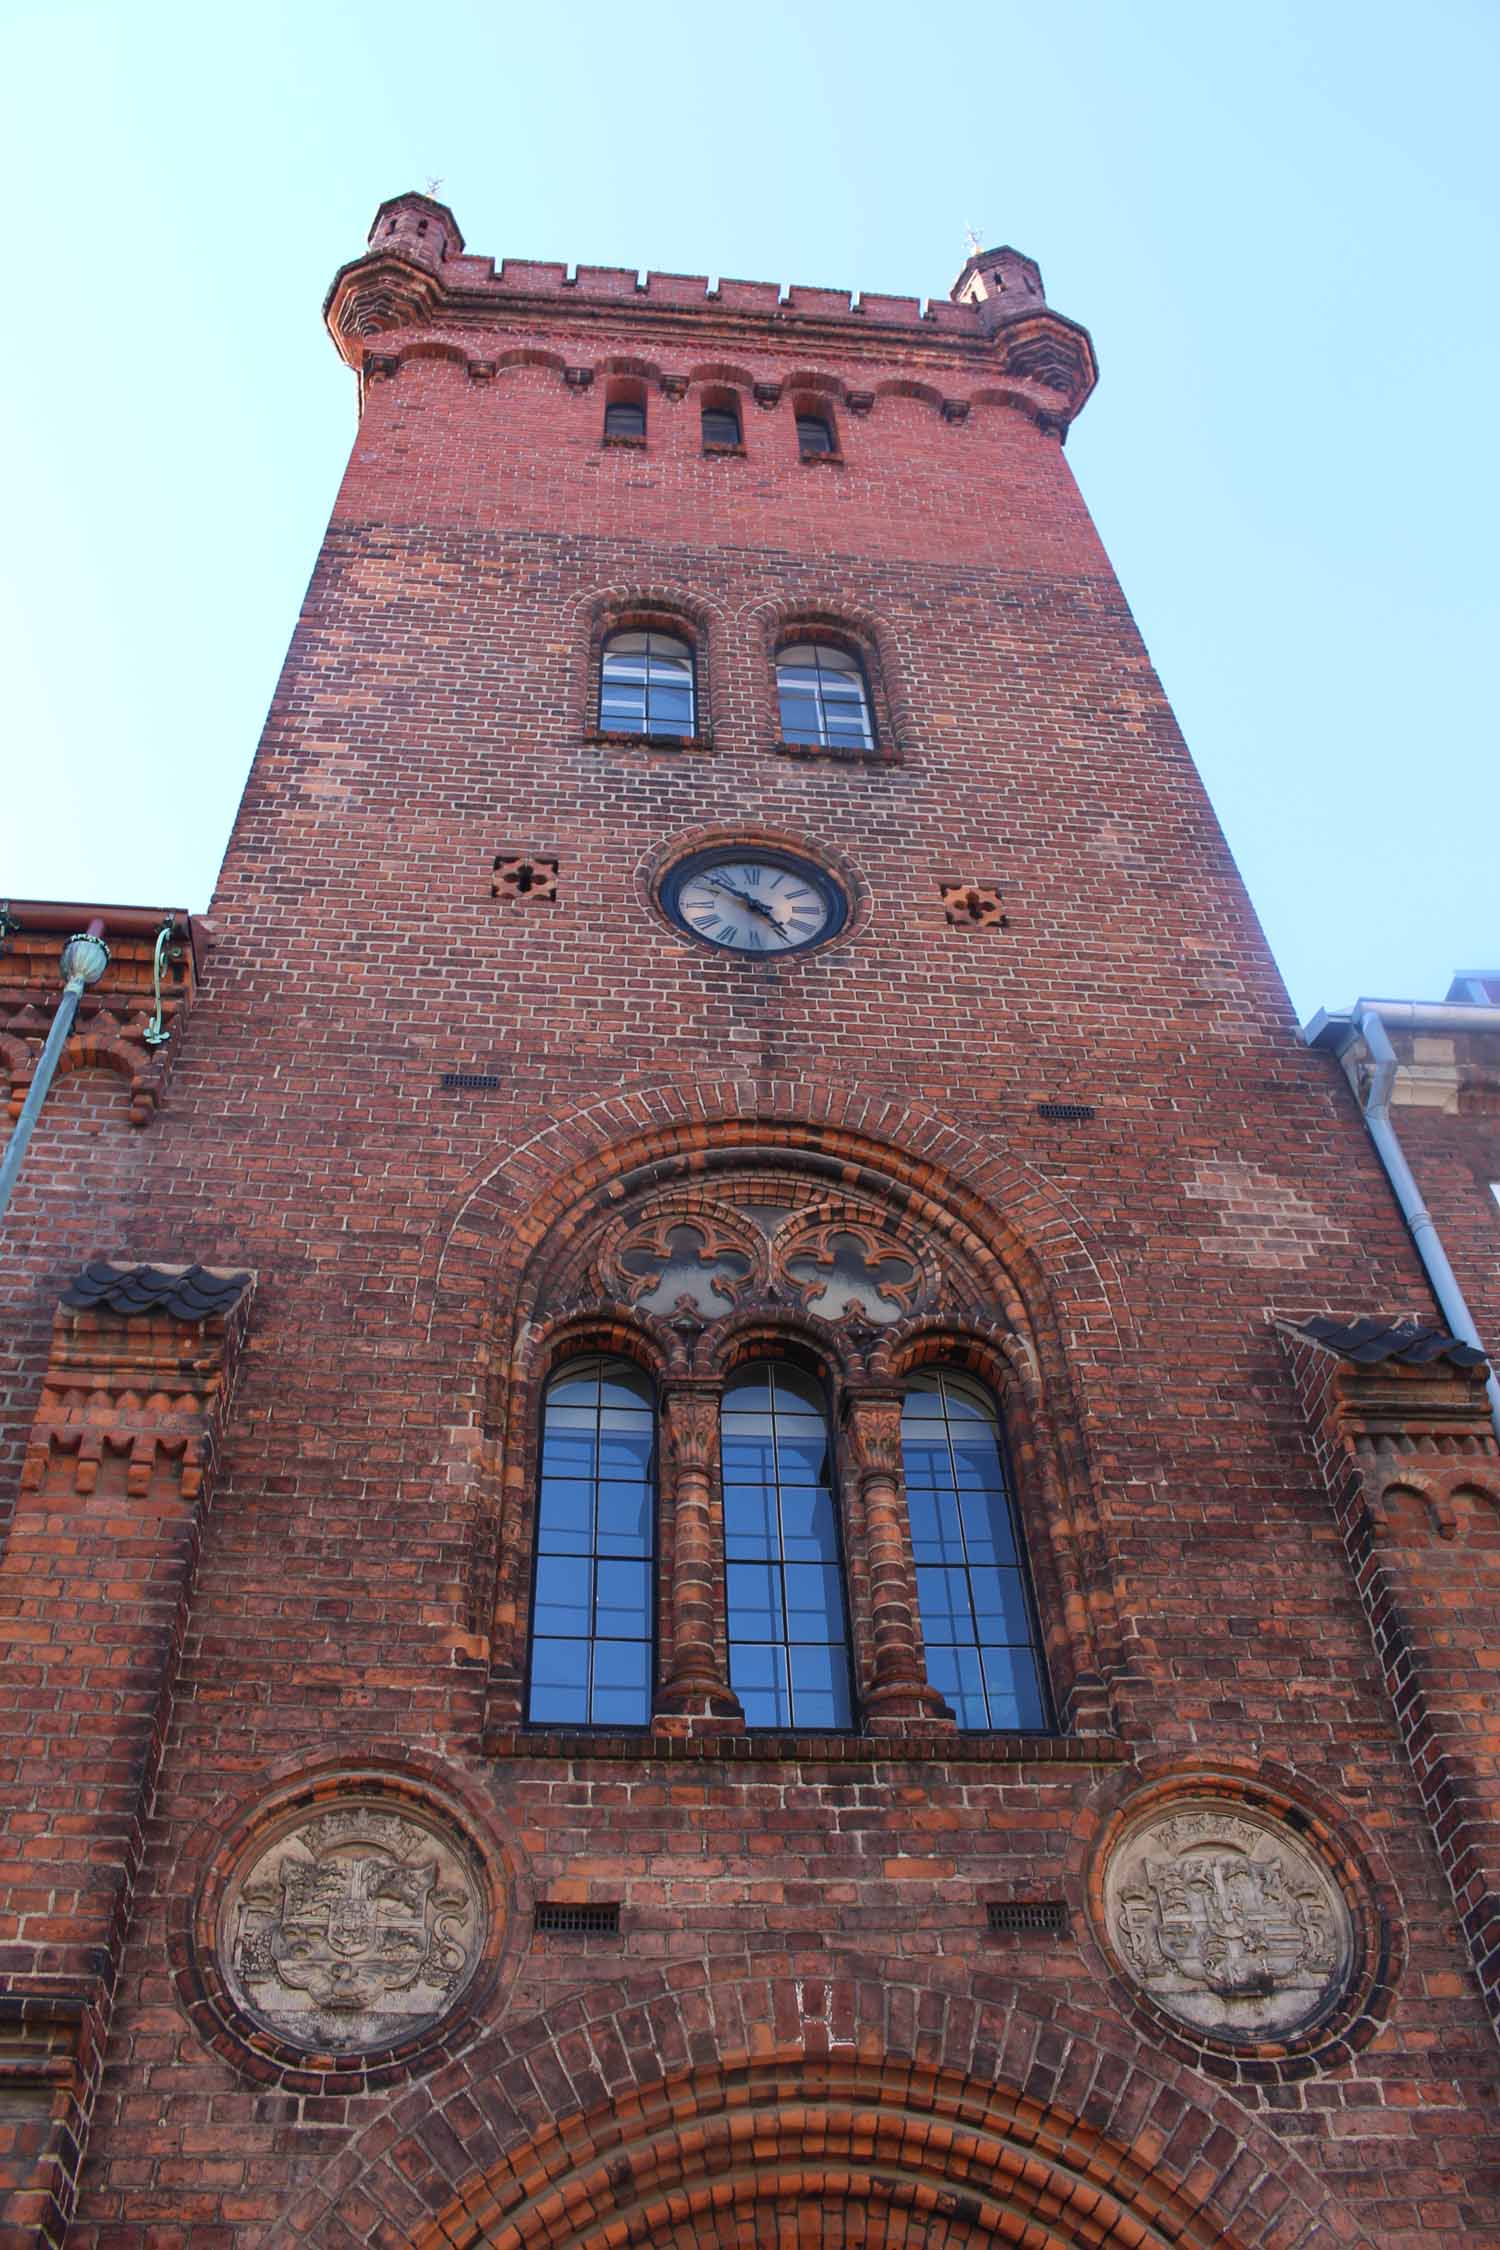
823	697
721	425
646	685
625	418
973	1590
815	437
788	1621
593	1605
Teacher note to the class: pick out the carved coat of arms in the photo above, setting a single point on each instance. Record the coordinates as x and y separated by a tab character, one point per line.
356	1928
1227	1921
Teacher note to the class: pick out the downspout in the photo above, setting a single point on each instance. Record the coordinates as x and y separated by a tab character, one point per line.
1368	1021
84	961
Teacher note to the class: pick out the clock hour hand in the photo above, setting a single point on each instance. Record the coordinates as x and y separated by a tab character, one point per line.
754	904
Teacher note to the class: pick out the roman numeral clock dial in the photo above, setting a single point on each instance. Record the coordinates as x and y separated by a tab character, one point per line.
756	903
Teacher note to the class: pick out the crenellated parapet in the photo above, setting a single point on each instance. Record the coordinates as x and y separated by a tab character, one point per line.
415	279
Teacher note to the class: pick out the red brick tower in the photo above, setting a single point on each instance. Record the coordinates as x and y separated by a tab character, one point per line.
743	1520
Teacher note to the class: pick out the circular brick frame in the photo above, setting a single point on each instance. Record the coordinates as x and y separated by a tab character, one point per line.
653	870
1351	2017
967	2105
216	1855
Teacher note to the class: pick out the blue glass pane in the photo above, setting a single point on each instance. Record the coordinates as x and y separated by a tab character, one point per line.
794	1392
622	1686
1015	1695
624	1519
987	1528
625	1386
749	1520
958	1678
801	1460
1000	1606
814	1603
748	1459
926	1461
580	1387
755	1612
564	1587
565	1523
966	1406
943	1599
622	1600
749	1390
582	1414
568	1453
807	1527
820	1688
625	1453
758	1677
559	1684
976	1462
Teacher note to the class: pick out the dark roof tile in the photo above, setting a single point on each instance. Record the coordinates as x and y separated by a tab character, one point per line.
189	1293
1371	1342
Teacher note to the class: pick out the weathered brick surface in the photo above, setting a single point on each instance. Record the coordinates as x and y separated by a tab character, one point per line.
817	1915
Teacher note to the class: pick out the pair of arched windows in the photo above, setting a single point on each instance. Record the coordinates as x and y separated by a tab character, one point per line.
786	1604
648	686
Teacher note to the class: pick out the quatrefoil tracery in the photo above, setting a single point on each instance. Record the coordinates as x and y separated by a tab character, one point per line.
694	1258
852	1272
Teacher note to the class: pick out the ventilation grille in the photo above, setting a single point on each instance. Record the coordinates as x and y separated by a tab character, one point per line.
1007	1915
1065	1113
470	1081
560	1918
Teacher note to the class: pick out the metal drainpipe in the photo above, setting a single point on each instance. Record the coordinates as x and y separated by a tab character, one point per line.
84	961
1377	1108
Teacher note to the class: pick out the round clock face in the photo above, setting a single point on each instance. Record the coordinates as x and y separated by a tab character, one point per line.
754	902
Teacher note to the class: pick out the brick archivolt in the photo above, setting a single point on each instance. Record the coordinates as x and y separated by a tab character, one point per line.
730	2112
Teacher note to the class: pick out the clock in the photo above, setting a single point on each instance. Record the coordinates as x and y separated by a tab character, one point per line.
754	902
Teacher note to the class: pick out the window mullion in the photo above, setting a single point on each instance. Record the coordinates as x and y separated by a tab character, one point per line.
697	1686
900	1692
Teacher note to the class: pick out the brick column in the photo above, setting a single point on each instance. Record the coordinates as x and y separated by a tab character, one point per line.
900	1692
94	1588
695	1697
1409	1459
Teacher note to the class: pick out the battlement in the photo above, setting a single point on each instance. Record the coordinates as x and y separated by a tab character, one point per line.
416	275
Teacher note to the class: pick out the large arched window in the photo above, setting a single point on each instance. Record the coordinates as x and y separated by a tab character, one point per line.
823	696
593	1603
973	1593
788	1620
646	685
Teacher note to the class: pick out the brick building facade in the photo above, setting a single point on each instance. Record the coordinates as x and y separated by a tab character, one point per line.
736	1514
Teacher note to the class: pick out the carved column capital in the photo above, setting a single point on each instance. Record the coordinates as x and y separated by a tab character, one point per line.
690	1426
872	1432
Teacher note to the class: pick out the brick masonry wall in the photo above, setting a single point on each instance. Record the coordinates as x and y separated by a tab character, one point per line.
434	713
1454	1152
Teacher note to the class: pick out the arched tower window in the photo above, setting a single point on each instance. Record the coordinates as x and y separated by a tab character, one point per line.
646	685
973	1591
788	1619
593	1601
823	696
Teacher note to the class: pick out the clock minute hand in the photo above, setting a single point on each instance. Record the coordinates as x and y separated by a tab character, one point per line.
744	898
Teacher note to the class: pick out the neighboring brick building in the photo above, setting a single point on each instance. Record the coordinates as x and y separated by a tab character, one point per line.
541	1706
1443	1096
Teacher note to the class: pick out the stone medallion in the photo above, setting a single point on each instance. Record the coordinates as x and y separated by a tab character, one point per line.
1227	1920
355	1926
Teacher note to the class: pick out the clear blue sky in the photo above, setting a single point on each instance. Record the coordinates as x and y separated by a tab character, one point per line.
1277	219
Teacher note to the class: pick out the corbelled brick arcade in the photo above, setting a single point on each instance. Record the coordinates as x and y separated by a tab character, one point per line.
734	1511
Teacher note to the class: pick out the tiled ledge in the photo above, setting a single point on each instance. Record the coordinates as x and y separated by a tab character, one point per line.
818	1749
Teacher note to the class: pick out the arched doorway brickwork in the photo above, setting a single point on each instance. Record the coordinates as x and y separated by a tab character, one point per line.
784	2110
